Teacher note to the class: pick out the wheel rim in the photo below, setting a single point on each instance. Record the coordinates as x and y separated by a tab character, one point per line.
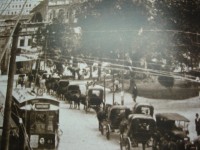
121	142
102	130
128	144
108	133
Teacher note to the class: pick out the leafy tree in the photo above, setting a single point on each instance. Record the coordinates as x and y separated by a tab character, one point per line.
181	16
57	40
159	29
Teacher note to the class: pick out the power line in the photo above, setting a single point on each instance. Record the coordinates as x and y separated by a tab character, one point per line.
142	70
10	37
134	30
5	7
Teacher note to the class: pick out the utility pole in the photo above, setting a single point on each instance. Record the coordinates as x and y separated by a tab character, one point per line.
8	102
104	91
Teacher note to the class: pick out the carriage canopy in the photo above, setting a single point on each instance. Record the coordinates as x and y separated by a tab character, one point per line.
171	116
143	108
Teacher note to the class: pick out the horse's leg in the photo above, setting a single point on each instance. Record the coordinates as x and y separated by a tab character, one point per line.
75	104
78	104
70	104
143	146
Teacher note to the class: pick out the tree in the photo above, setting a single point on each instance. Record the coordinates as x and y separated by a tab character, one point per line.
143	28
181	15
56	42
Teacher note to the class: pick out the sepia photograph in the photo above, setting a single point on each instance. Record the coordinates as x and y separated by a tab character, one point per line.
99	74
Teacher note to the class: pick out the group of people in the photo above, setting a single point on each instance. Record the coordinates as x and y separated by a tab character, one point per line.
133	88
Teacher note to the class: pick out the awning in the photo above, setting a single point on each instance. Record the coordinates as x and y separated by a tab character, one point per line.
22	58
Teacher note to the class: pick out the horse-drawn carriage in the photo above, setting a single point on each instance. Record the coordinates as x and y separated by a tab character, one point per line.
62	88
138	129
115	115
94	99
52	84
172	128
74	95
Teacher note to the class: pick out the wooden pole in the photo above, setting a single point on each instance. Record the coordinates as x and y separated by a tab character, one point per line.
113	89
104	91
7	111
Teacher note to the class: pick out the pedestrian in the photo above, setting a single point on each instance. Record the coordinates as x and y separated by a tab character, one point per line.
197	124
30	79
116	83
134	90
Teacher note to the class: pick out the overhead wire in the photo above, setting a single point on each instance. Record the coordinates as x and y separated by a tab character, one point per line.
11	35
6	47
136	30
140	70
5	7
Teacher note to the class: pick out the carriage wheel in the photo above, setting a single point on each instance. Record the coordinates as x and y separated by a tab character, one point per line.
149	143
121	142
100	126
155	145
108	132
128	144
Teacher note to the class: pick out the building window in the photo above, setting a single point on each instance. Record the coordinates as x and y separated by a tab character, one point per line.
29	5
22	41
29	42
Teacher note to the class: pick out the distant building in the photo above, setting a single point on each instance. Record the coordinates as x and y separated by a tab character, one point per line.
64	10
36	13
14	7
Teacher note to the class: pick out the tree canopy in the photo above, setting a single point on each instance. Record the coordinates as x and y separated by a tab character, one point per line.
160	30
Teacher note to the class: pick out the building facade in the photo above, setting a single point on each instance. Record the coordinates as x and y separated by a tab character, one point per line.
14	7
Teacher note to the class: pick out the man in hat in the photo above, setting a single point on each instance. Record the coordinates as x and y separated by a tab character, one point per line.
197	124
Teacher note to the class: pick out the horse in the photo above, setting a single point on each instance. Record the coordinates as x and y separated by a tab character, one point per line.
101	116
51	85
134	92
74	99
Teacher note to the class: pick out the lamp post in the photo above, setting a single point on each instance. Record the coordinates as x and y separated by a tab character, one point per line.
122	76
122	91
113	89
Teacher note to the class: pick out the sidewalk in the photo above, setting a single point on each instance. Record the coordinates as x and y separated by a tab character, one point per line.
4	78
2	98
